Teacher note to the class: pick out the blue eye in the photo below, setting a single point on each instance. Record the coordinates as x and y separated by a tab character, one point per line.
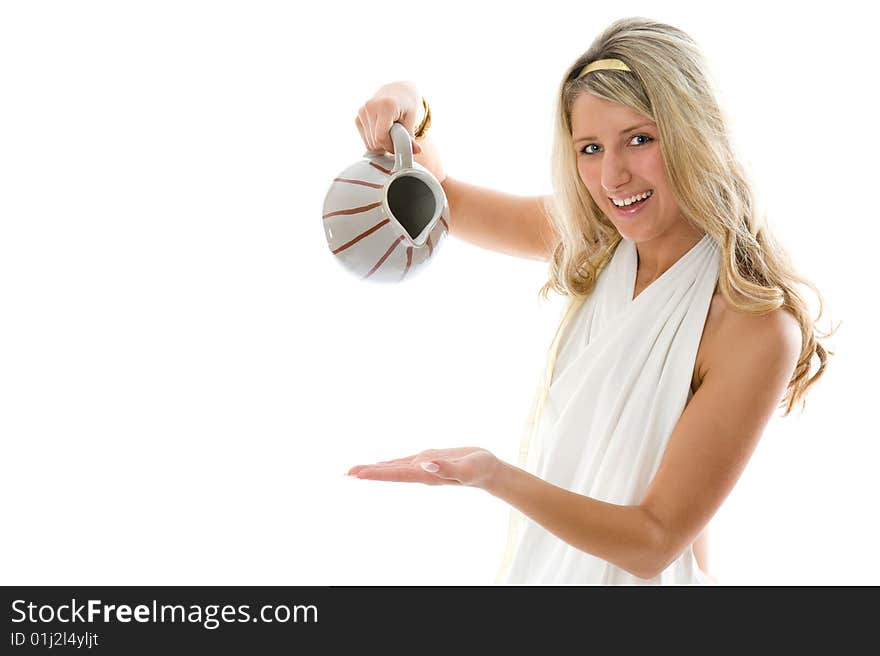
586	150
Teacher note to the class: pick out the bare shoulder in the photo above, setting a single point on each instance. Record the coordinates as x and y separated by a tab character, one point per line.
774	338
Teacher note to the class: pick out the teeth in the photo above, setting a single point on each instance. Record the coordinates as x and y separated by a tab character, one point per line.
632	199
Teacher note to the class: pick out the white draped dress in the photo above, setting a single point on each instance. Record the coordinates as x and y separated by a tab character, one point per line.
622	378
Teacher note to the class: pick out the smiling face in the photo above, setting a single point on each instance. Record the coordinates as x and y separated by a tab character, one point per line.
619	159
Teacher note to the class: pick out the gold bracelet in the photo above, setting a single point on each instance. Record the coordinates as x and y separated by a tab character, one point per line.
426	120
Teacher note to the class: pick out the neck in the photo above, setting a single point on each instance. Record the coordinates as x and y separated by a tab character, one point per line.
656	255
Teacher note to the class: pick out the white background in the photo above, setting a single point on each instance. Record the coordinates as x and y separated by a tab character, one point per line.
186	373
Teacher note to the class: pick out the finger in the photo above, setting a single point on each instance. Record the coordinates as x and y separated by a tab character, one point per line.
446	470
364	116
357	468
382	111
382	134
360	126
397	460
400	462
401	474
437	467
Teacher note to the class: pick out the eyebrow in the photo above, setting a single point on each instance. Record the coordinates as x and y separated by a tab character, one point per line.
635	127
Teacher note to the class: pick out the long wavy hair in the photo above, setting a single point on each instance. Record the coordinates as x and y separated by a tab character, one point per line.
669	84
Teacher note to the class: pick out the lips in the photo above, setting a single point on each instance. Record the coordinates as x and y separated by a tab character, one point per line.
632	208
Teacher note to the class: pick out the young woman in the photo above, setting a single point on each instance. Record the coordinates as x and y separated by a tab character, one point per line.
684	329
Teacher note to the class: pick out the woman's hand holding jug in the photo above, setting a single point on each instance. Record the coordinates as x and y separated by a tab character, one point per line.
387	214
398	102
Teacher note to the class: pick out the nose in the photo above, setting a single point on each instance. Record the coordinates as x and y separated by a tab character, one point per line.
615	173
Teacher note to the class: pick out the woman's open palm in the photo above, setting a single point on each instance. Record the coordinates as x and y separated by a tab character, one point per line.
466	465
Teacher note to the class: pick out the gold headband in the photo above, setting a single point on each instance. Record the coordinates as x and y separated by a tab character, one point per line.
603	65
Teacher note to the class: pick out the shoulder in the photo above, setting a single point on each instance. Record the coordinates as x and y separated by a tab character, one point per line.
773	338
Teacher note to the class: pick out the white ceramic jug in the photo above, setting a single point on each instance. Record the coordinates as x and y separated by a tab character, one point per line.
385	218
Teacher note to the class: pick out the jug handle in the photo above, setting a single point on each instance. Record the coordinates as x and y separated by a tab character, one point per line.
403	155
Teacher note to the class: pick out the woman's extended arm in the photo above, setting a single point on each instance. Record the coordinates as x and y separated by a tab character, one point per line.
627	536
515	225
704	457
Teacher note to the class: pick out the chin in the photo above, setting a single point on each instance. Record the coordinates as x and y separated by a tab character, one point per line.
633	233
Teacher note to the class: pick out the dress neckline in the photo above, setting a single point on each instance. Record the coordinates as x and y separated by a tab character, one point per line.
632	263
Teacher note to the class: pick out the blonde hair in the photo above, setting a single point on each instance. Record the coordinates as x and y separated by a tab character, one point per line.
670	85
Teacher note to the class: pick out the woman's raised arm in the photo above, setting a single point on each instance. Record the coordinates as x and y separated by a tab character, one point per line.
515	225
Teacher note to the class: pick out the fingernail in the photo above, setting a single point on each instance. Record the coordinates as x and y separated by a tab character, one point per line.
430	467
